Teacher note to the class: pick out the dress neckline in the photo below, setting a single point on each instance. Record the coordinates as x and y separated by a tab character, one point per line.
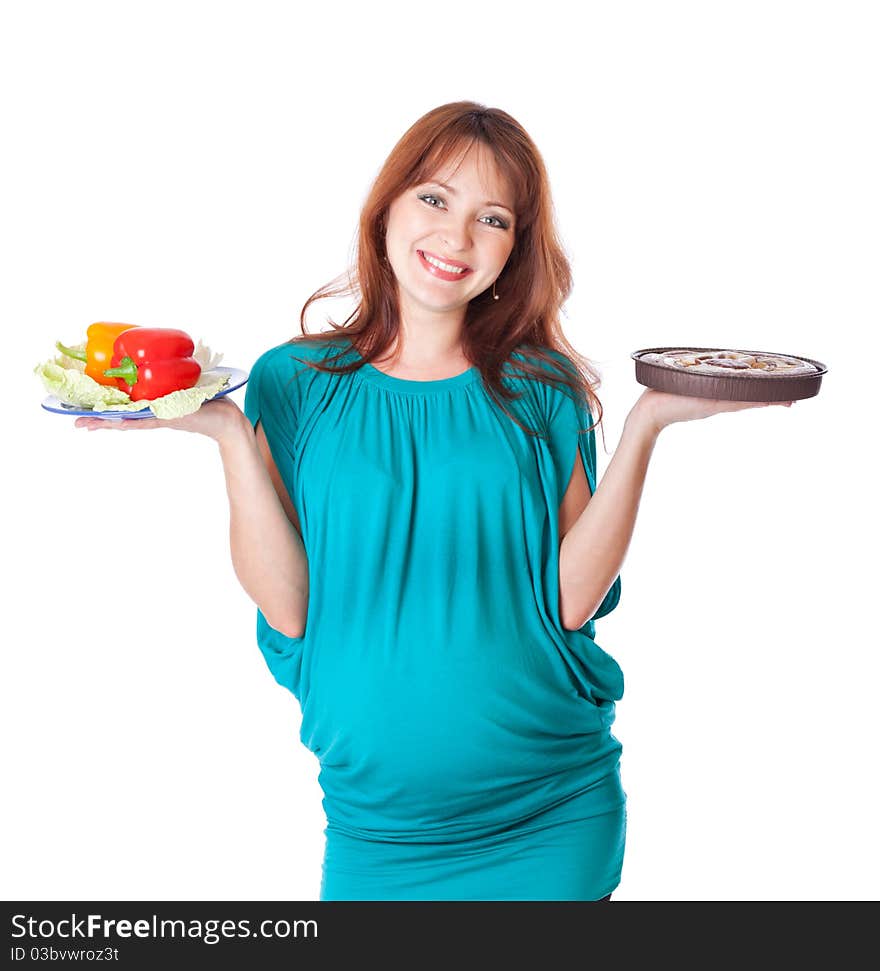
410	386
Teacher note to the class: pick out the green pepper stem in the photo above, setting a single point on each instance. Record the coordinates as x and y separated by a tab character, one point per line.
71	352
126	369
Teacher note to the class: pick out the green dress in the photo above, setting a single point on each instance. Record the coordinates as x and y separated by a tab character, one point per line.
463	734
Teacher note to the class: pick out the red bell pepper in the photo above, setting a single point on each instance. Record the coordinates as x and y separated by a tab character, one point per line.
149	362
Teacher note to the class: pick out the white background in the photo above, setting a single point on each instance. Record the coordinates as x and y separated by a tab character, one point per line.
714	171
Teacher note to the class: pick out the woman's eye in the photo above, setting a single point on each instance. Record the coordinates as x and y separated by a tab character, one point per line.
498	222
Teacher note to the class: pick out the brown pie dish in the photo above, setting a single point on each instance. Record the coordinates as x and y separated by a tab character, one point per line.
728	374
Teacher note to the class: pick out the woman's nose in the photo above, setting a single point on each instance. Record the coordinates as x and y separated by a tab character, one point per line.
456	238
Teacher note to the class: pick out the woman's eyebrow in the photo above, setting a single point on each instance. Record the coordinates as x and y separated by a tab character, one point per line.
449	188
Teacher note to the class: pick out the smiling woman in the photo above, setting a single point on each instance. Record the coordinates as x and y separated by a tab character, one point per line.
462	727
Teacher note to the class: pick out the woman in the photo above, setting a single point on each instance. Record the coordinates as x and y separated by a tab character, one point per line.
410	509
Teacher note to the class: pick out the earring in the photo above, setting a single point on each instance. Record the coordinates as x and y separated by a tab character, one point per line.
494	294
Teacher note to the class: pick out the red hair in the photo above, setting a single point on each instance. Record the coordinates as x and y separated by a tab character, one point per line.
534	284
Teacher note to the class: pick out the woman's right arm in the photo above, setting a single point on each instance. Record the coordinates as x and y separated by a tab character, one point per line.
268	555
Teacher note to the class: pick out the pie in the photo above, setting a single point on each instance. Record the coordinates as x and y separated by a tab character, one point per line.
730	363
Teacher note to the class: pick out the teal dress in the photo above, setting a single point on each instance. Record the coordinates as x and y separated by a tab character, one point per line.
463	734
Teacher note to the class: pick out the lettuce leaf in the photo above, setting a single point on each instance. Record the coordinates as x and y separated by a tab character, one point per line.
206	359
187	400
73	387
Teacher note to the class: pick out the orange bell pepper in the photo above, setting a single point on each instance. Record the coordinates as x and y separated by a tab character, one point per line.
98	355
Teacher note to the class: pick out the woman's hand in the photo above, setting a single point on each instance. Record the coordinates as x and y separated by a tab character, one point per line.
661	408
216	419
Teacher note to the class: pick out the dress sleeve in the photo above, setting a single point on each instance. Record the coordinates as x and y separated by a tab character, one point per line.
273	397
567	417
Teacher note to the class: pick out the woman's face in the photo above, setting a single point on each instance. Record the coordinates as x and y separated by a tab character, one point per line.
468	223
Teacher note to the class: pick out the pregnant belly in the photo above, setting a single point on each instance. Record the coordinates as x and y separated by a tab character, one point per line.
449	740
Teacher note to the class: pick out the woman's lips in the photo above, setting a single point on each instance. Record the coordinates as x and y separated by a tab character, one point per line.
441	274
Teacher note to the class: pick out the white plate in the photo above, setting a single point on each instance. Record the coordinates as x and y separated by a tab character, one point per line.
237	378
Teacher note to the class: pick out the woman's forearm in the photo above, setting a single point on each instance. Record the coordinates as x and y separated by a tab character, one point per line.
592	551
268	555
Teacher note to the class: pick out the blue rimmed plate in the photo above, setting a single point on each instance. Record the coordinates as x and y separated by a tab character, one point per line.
237	378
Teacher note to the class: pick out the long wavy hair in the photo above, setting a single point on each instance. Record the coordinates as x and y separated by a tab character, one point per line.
533	286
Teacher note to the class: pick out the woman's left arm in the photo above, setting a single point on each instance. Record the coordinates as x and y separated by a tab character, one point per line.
592	551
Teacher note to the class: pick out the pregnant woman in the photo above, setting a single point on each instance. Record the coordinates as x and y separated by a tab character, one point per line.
414	511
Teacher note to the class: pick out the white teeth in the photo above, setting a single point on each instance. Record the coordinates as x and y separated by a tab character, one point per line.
442	266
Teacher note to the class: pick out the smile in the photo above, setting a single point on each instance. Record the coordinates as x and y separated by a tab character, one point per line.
444	271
